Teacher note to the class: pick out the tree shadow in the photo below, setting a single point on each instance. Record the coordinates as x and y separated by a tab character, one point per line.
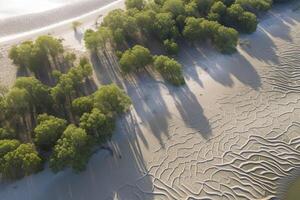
78	34
115	173
275	25
150	107
261	46
190	63
190	110
219	67
105	72
142	88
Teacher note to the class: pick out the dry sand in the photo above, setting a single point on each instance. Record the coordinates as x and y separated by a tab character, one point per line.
231	133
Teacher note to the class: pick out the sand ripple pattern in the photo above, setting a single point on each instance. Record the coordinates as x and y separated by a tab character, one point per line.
255	143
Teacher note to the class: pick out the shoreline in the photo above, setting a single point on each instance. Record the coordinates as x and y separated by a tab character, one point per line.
14	29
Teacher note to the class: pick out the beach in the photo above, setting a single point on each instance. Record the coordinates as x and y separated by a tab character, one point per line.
232	132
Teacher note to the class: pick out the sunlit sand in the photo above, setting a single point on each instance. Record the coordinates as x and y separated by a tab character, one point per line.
231	133
20	7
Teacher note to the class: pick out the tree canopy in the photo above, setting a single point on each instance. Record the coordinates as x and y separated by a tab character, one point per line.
71	150
171	47
170	69
135	59
38	93
48	131
138	4
21	161
97	124
121	24
110	99
96	40
35	55
82	105
39	121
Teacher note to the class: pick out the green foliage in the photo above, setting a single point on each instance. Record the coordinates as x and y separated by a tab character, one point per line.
69	82
35	55
98	125
22	105
82	105
6	133
48	131
96	40
217	12
144	20
7	146
84	61
170	69
240	19
176	7
72	150
4	111
110	99
18	101
48	45
22	55
247	22
255	5
219	8
193	30
165	26
171	47
135	59
191	9
70	58
121	24
226	39
203	6
138	4
22	161
38	93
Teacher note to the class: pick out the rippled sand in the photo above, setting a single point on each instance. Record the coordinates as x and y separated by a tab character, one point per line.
231	133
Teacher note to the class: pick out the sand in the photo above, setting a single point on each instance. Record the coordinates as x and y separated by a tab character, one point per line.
56	22
20	7
231	133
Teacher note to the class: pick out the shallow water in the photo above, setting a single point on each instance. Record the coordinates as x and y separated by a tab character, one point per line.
21	7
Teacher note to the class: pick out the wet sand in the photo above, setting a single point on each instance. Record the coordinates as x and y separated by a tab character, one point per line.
231	133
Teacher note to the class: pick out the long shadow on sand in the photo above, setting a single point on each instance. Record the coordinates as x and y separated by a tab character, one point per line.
221	68
106	177
150	107
143	89
78	35
190	110
104	68
275	25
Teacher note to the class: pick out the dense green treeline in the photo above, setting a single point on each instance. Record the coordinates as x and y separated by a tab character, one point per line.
169	21
58	120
